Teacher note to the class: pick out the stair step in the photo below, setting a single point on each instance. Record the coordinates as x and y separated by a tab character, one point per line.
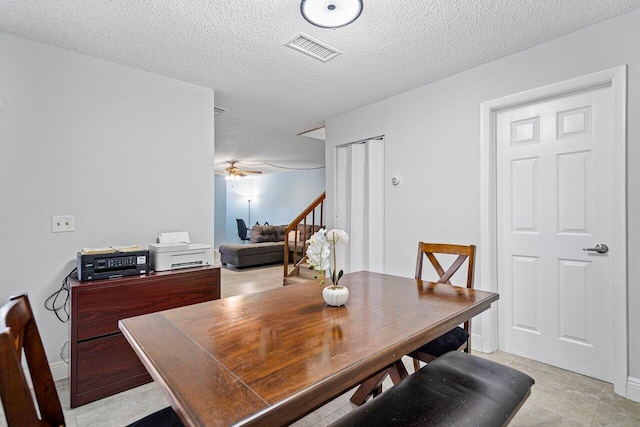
305	271
298	280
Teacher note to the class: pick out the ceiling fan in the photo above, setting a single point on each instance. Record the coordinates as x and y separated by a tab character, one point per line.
233	172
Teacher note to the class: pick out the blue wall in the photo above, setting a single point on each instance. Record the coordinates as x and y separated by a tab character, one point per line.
276	198
220	213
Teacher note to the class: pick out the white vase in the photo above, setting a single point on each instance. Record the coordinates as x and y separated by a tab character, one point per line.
335	297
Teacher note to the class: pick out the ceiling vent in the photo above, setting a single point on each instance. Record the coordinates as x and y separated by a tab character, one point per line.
312	47
218	110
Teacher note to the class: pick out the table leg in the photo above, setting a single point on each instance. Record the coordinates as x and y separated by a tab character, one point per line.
373	385
397	371
368	388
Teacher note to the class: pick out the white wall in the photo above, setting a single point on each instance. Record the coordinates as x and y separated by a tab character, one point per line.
129	153
277	199
432	138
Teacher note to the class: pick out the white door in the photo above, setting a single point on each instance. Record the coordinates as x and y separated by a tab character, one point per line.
554	180
360	205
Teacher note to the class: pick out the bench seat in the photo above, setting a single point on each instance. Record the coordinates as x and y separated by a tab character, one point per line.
456	389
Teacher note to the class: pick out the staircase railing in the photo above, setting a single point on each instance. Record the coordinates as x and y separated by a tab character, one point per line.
296	250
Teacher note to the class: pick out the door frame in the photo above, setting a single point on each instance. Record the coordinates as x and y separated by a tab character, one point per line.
617	79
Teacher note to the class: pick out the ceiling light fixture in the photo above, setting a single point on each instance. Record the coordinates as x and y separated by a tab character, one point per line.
231	176
234	173
331	13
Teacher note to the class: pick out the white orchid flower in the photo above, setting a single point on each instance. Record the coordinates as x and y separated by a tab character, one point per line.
337	236
318	236
319	252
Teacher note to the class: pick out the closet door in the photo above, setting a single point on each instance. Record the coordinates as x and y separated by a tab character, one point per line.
360	205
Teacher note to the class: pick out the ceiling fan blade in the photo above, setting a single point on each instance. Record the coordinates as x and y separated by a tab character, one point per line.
233	169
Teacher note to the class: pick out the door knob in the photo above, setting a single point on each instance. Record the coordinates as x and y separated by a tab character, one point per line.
600	248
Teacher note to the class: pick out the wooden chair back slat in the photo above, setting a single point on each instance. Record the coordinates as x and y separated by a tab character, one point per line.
19	333
444	278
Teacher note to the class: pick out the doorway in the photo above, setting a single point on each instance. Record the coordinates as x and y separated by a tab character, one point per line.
554	184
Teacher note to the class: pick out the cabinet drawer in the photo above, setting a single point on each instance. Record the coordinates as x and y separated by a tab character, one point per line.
99	308
105	361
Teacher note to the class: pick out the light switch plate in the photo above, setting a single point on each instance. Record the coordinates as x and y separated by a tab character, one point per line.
62	224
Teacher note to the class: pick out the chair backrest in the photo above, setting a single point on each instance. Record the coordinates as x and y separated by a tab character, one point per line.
242	229
464	252
19	333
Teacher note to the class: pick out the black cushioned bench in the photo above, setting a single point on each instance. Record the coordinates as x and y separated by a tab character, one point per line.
456	389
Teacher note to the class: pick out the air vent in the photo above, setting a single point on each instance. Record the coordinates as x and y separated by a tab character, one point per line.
312	47
218	110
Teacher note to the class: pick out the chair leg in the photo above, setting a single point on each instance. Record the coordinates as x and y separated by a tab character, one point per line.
372	386
467	327
416	365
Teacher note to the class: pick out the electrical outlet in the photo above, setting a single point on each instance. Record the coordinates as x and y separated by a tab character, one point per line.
62	224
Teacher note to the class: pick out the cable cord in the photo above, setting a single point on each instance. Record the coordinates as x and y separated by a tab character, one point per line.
295	169
280	167
57	301
65	345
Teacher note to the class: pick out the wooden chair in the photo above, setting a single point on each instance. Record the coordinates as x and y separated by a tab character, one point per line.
458	338
19	334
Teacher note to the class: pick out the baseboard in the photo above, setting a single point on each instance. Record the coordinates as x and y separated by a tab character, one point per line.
633	389
59	370
476	342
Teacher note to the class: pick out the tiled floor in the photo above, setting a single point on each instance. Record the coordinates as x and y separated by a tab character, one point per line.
559	397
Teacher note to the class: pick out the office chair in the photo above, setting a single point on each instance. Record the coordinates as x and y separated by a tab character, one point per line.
242	230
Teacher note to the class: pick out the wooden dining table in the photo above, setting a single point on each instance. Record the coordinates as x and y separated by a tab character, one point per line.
271	357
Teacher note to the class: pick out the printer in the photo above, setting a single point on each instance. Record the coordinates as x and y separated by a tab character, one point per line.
111	262
175	251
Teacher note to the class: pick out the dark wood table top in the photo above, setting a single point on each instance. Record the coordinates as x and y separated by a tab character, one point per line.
271	357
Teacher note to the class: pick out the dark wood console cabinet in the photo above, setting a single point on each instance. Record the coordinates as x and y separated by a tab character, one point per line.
102	362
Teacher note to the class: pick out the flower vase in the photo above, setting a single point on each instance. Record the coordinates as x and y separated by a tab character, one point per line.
335	297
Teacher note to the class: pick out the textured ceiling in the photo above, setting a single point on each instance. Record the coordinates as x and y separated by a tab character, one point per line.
273	92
